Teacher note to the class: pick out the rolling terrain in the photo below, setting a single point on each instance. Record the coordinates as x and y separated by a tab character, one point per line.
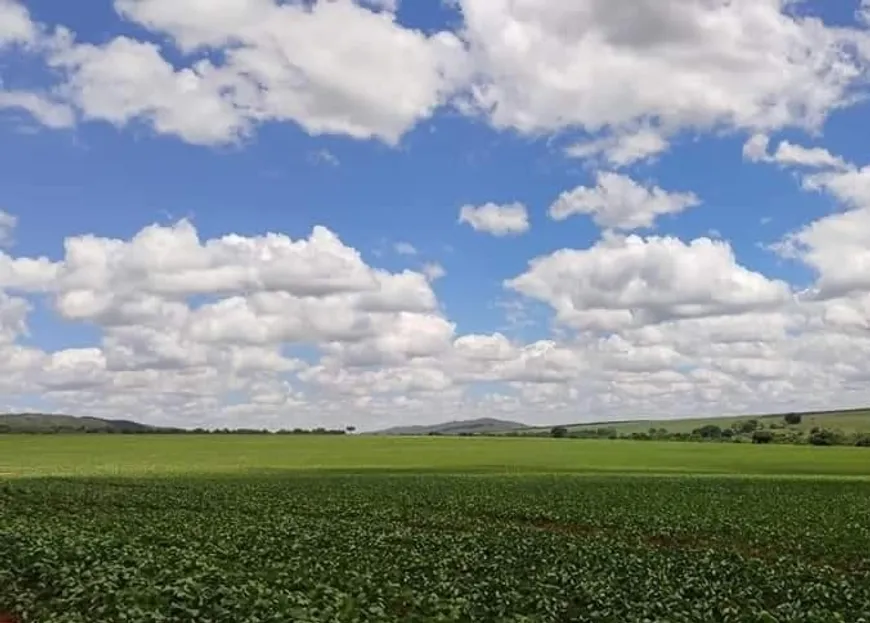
486	426
58	423
848	421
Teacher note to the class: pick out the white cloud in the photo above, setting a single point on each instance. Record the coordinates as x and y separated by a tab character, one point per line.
47	112
405	248
498	220
659	68
677	63
619	202
15	24
622	149
375	80
127	80
814	157
324	156
433	271
630	281
655	326
13	318
789	154
265	330
384	5
837	248
851	186
755	148
8	222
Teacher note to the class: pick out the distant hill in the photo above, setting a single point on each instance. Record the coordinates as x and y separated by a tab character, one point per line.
49	422
848	421
481	426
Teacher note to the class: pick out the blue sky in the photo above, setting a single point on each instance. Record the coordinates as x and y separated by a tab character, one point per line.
103	154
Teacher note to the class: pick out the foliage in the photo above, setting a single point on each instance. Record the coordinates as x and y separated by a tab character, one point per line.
824	437
762	436
792	418
710	431
418	547
559	432
749	426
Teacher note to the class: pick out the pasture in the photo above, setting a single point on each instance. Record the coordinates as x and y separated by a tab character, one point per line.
138	455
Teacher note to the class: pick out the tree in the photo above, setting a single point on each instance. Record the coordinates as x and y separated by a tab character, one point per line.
762	436
792	418
749	426
351	429
824	437
559	432
710	431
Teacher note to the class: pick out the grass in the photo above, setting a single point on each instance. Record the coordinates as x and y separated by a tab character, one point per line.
851	421
156	455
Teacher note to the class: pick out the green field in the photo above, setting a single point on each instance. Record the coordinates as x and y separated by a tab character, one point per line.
850	421
32	455
274	529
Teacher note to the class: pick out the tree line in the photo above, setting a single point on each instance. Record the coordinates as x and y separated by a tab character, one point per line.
157	430
750	430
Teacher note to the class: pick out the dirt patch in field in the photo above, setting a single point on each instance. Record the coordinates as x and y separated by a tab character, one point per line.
686	542
576	529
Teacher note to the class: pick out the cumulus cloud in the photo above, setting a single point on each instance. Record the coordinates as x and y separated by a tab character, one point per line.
42	108
835	246
203	332
632	281
433	271
619	202
790	154
695	64
267	330
16	26
272	67
659	68
7	228
499	220
621	149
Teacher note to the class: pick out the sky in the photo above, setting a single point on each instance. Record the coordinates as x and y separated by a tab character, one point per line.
279	214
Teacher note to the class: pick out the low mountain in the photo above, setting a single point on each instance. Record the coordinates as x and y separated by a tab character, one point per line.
58	423
479	426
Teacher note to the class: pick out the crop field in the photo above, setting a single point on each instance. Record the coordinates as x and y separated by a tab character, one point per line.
141	455
150	529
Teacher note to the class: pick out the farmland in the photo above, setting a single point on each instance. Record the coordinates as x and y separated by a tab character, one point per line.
157	455
848	421
268	529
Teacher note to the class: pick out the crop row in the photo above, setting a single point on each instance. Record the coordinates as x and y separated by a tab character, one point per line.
434	548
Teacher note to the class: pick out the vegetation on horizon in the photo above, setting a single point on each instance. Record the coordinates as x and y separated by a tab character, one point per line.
752	430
